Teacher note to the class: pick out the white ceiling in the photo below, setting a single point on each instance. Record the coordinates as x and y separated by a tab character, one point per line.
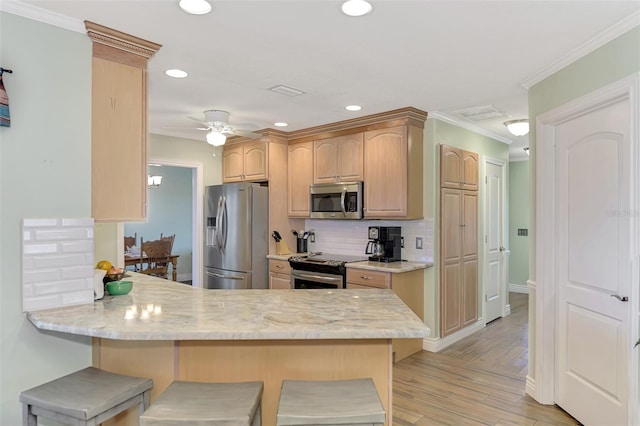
438	56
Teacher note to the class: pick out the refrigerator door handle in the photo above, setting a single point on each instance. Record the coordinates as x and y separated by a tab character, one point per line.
219	223
223	224
213	274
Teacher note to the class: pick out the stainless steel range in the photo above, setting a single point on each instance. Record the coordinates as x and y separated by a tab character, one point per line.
320	270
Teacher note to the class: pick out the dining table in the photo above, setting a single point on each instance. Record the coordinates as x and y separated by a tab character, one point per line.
133	260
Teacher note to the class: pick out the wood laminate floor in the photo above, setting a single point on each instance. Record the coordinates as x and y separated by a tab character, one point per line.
479	380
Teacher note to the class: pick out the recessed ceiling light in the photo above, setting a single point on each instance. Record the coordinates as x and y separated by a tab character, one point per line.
195	7
356	7
176	73
353	108
281	124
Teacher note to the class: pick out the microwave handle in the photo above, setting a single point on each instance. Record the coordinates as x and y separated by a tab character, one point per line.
343	196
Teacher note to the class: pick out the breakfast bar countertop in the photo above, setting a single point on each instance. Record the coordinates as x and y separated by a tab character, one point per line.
158	309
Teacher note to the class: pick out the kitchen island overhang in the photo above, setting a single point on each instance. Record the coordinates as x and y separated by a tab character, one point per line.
240	335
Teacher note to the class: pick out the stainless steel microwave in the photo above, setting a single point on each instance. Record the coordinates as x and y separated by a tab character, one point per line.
341	200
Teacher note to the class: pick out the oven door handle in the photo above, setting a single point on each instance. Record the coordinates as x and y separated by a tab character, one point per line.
319	278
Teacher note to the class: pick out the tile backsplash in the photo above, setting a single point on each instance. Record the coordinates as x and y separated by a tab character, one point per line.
57	263
349	237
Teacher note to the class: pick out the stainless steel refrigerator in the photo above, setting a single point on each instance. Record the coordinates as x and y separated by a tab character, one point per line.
236	240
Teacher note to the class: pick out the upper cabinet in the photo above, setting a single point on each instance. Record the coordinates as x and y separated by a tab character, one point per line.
458	168
118	124
247	161
393	173
300	176
338	159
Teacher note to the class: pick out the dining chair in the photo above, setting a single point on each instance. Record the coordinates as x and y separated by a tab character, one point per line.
130	241
155	257
169	238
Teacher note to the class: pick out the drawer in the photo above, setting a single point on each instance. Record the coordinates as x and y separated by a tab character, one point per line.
369	278
279	266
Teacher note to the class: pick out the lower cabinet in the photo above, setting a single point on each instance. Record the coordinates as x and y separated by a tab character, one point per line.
279	274
409	286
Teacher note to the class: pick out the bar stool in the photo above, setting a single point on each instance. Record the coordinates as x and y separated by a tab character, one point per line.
340	402
86	397
188	403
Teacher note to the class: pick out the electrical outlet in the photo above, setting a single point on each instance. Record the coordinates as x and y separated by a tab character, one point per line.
401	242
418	243
312	236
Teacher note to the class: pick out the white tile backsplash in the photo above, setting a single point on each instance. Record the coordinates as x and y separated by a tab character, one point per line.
57	262
349	237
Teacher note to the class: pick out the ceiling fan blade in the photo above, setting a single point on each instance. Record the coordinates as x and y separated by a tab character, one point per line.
246	134
199	120
185	128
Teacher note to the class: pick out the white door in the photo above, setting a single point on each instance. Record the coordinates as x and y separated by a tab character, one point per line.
494	283
593	265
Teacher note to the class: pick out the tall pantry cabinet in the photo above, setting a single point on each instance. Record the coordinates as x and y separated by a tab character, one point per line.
458	239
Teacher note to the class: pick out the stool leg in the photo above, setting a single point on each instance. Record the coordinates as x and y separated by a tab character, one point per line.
28	418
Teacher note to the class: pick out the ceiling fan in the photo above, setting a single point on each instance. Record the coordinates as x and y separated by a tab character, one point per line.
216	122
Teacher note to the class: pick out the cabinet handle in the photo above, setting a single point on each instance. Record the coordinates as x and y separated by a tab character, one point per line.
279	266
364	277
462	226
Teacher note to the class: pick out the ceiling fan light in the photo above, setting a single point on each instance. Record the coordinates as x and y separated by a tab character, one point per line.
176	73
216	138
518	127
356	7
195	7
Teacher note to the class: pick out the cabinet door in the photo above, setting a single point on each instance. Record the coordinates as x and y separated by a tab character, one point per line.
232	163
300	170
470	170
385	172
350	166
450	298
369	278
469	222
256	166
469	283
279	281
118	147
451	225
450	167
325	161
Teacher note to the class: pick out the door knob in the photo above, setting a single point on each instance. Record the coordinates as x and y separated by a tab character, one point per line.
502	248
620	298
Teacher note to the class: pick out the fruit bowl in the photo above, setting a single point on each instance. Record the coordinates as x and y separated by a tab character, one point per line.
117	288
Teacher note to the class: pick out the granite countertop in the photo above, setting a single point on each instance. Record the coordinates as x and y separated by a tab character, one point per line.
393	267
165	310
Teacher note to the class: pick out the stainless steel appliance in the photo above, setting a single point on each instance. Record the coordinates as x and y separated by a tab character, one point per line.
236	240
320	270
341	200
385	243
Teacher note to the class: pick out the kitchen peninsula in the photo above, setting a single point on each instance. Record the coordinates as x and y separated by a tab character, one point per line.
169	331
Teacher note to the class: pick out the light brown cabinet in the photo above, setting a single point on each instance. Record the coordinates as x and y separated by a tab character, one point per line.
393	173
409	286
279	275
118	124
458	168
459	259
245	162
338	159
300	176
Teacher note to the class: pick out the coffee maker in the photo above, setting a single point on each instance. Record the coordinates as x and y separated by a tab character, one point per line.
384	243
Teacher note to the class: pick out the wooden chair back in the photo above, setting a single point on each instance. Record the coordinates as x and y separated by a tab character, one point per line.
154	257
169	238
130	241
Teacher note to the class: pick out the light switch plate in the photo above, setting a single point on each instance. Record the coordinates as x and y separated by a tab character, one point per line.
418	243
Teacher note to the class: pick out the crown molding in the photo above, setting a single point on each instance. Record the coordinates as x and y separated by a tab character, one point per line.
41	15
585	48
469	126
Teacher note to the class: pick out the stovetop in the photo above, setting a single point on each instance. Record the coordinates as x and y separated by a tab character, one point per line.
326	259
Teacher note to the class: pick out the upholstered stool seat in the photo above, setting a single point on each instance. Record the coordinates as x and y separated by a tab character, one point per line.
341	402
86	397
194	403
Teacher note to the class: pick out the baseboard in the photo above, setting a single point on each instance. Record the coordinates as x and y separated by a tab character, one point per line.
519	288
184	277
436	344
530	387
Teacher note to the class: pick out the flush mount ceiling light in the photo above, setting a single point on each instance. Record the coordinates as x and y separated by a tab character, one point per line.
518	127
280	124
195	7
356	7
154	181
353	108
176	73
216	138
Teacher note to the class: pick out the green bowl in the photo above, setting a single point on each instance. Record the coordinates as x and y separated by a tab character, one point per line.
117	288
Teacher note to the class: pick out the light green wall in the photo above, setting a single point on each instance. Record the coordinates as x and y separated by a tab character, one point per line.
45	172
518	218
615	60
439	132
169	211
